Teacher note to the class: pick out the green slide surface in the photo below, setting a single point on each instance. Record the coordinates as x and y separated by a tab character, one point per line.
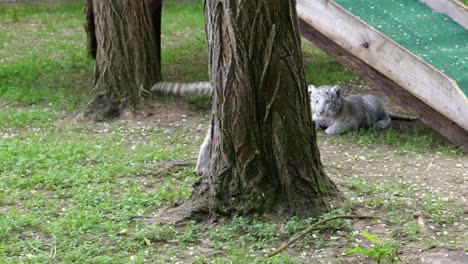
432	36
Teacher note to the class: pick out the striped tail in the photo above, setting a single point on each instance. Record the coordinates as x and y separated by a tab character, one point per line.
402	117
180	88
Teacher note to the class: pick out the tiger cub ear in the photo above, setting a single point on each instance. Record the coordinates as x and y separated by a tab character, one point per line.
336	90
312	89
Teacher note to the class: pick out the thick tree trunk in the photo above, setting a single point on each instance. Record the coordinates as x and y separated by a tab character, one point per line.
127	37
90	29
264	156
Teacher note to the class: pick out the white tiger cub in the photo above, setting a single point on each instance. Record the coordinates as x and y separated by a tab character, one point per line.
204	154
338	114
199	88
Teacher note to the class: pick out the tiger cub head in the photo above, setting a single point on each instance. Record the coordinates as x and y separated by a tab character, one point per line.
325	101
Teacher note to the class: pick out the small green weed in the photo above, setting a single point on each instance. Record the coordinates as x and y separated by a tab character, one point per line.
188	235
255	232
262	234
381	251
295	225
411	230
157	233
361	186
441	212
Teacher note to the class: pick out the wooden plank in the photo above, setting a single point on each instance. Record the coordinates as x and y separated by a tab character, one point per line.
410	72
451	8
432	118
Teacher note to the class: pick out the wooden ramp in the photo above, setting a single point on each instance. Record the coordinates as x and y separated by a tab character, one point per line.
408	77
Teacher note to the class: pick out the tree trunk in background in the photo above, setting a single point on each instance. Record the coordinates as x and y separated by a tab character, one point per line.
90	29
264	156
127	51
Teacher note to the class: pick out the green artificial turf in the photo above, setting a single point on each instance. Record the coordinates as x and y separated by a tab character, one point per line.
432	36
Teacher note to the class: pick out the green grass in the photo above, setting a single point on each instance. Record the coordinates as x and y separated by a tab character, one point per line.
56	187
14	118
37	44
407	139
184	50
80	192
382	251
321	69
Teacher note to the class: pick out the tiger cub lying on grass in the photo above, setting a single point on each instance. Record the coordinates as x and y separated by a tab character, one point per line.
338	114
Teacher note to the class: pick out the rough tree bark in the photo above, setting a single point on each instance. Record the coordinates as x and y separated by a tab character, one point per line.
90	29
264	156
124	37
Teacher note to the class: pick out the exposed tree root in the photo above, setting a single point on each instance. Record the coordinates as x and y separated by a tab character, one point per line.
312	227
101	109
190	210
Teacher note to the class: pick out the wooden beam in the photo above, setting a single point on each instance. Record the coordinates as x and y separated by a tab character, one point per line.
451	8
429	116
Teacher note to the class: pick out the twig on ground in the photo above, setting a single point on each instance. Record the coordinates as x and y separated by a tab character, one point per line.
170	164
312	227
177	163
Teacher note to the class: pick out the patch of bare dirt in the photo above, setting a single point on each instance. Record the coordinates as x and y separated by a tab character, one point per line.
166	113
426	175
